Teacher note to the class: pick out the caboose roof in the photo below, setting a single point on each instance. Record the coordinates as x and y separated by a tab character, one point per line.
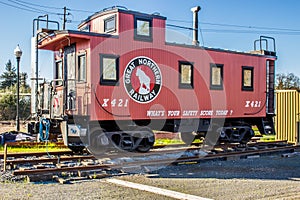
262	54
67	37
120	9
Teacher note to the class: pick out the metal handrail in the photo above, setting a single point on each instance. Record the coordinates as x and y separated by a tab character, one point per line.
264	39
43	20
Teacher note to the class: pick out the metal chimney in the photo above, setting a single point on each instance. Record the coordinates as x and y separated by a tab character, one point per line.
195	11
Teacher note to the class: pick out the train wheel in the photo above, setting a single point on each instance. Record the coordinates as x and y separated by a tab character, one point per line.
145	138
249	133
98	141
187	137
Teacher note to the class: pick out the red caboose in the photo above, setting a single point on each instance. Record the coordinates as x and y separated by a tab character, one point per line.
117	79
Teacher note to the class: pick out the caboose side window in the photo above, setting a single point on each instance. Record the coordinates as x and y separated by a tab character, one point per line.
247	78
109	69
59	72
186	73
82	68
216	76
110	24
143	29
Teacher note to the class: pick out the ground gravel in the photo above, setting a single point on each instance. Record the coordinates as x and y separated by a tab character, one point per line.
271	177
92	189
268	177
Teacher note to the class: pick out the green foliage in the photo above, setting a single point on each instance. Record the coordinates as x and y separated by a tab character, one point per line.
287	82
8	94
9	77
8	103
23	78
8	106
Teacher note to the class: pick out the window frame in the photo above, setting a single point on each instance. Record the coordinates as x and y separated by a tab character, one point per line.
245	87
109	82
147	38
79	79
85	28
186	85
59	81
221	67
109	19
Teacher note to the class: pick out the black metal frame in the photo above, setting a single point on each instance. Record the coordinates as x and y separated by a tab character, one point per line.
56	72
248	88
216	87
105	81
79	79
143	37
186	85
109	19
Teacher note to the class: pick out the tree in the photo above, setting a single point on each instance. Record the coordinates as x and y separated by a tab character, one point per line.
8	94
287	82
8	106
9	77
23	78
8	103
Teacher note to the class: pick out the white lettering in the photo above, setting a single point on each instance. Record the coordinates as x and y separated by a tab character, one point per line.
105	102
131	92
190	113
155	113
221	112
115	102
247	104
252	104
173	113
206	112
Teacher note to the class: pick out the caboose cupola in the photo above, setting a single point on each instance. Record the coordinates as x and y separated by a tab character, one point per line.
117	20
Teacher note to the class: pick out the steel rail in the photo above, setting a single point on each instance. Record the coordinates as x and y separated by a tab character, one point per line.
59	170
181	160
22	155
47	160
220	156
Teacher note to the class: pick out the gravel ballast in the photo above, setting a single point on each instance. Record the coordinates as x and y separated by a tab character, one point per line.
268	177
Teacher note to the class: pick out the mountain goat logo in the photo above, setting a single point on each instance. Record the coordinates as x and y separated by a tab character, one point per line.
142	79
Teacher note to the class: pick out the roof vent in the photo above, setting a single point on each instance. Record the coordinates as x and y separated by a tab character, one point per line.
195	11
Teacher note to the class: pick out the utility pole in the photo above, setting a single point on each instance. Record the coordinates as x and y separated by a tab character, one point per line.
65	18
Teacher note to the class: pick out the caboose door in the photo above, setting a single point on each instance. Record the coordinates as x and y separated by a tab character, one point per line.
270	87
70	76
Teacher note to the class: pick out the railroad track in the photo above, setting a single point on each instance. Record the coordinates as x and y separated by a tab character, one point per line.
60	144
37	154
39	166
67	155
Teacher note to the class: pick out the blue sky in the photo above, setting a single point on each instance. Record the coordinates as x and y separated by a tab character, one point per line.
230	24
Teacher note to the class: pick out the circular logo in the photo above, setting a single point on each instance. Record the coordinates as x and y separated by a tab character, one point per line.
142	79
